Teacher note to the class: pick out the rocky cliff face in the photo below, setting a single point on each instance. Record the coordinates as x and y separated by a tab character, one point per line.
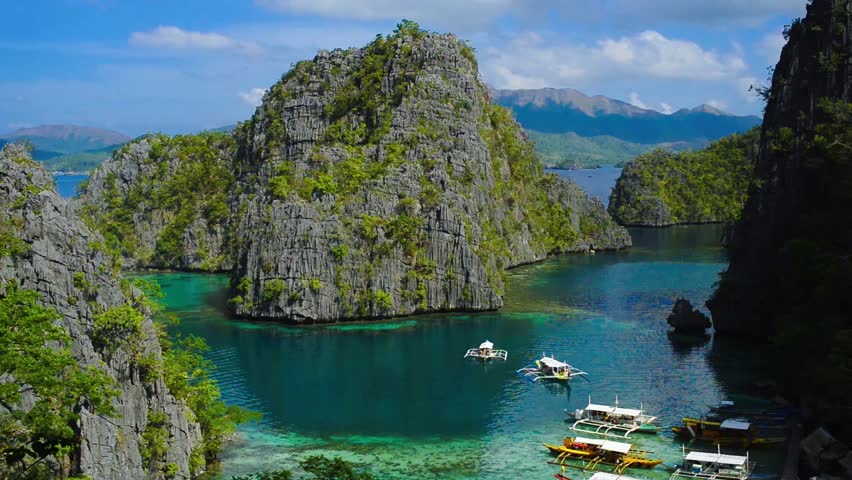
405	189
790	271
65	263
795	183
162	201
382	181
663	188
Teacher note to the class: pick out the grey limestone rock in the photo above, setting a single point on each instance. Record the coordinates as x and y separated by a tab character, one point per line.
60	248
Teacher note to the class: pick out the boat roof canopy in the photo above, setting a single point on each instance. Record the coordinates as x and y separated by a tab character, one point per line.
735	425
627	412
609	476
553	363
708	457
486	344
592	407
727	403
607	445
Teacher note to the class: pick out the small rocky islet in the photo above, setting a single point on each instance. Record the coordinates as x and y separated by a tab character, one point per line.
663	188
369	183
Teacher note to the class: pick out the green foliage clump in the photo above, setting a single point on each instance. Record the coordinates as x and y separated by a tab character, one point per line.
315	285
118	327
708	185
155	437
11	244
35	357
405	231
273	289
340	251
317	467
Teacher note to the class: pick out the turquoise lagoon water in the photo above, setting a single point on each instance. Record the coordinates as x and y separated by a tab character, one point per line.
398	397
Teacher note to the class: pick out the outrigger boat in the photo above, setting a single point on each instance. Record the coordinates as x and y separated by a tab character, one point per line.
733	432
713	466
594	452
612	421
595	476
486	352
549	368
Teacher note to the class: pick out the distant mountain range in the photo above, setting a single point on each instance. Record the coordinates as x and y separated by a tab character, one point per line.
573	129
69	147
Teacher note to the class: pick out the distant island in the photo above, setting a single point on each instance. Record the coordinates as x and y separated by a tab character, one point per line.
663	188
573	130
68	148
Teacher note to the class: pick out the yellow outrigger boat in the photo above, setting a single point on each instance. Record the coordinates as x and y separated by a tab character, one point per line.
595	452
731	432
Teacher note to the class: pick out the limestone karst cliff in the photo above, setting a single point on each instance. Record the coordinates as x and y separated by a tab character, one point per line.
790	264
370	182
47	249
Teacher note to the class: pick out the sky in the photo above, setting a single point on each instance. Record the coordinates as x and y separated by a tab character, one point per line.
180	66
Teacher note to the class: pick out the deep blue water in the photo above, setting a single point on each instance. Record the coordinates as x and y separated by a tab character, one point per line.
66	185
399	397
597	181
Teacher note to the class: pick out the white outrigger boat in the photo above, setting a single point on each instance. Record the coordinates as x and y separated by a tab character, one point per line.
486	352
713	466
595	476
612	421
549	368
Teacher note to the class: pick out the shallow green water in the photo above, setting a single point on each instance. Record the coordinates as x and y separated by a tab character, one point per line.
398	395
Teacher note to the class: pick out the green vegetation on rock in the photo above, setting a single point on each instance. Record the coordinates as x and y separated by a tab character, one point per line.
317	467
181	179
569	150
36	363
664	188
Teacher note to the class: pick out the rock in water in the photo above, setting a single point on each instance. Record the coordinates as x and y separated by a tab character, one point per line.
369	183
685	319
61	259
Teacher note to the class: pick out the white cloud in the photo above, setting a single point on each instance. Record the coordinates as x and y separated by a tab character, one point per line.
526	60
666	108
253	97
634	100
745	87
170	37
770	47
456	12
704	12
717	104
482	12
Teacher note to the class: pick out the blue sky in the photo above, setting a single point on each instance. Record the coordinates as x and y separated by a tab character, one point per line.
179	66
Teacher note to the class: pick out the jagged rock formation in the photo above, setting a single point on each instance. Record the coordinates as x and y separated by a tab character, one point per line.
790	264
376	182
825	455
163	201
685	319
64	262
663	188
